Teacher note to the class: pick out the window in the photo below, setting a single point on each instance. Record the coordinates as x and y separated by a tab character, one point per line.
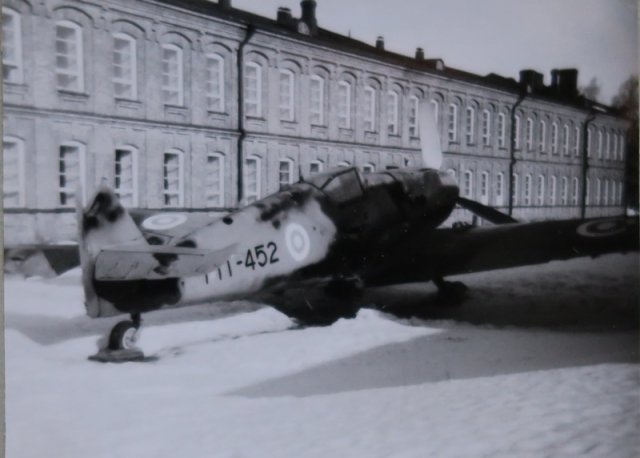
172	175
502	134
126	176
316	105
368	168
620	191
285	172
564	196
344	105
599	144
286	100
468	184
344	164
589	135
576	144
453	173
369	109
215	83
392	113
552	190
527	190
253	90
11	47
605	195
529	134
541	191
252	179
486	127
542	141
13	172
413	116
621	147
598	192
554	138
69	57
484	188
315	167
470	129
172	74
500	189
452	126
565	140
214	181
587	197
71	173
514	198
436	111
517	132
614	146
576	190
607	145
124	67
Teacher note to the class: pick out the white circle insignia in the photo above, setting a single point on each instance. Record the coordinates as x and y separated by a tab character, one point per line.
297	241
602	228
164	221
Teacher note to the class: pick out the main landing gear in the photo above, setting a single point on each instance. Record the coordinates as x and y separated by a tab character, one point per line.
450	292
122	341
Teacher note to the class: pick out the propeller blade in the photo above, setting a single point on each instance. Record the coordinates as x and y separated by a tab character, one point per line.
429	137
485	212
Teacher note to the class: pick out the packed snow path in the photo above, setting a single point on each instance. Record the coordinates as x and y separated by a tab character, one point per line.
540	361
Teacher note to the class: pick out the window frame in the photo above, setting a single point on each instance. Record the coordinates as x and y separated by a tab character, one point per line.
248	102
486	127
369	109
178	90
452	123
393	112
181	176
21	172
82	178
133	62
220	194
319	112
470	125
79	57
134	173
414	117
344	112
215	102
252	197
17	64
286	95
290	165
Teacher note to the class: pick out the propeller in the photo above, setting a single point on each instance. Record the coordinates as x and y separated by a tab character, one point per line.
432	158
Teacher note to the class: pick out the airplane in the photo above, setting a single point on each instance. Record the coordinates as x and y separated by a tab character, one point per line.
310	249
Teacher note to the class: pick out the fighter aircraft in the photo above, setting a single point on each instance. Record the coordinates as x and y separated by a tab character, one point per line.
310	248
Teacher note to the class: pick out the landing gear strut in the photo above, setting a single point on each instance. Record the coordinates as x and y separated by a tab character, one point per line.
451	292
122	342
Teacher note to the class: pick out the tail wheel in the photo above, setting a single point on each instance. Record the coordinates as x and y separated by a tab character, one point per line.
123	336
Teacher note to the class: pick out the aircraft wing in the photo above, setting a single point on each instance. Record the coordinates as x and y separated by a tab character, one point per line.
454	251
155	262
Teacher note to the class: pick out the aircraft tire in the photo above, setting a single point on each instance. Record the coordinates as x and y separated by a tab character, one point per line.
123	336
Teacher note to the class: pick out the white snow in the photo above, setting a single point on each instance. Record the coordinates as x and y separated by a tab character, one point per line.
541	361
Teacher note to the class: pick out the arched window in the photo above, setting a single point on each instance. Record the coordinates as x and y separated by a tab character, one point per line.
541	190
316	102
13	172
414	114
600	141
484	188
69	57
315	167
576	144
605	195
71	172
470	125
542	141
576	191
552	190
468	184
252	179
285	172
502	131
554	138
125	81
500	189
369	109
598	191
126	175
517	132
565	140
11	46
529	134
527	190
453	173
587	197
564	199
607	145
173	178
215	83
452	125
344	105
214	184
486	127
287	95
253	90
436	111
392	113
514	197
172	75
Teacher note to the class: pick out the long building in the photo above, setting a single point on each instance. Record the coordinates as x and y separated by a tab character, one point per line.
198	106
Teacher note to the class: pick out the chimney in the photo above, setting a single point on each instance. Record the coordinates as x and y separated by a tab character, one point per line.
531	80
380	43
308	8
419	54
224	3
564	82
284	15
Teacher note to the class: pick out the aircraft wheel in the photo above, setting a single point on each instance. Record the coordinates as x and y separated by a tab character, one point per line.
123	336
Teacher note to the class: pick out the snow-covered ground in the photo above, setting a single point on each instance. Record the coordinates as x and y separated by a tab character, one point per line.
541	361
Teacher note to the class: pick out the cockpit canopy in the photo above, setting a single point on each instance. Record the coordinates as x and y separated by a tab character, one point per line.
340	186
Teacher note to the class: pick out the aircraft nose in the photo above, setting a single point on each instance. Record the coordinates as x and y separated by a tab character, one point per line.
441	190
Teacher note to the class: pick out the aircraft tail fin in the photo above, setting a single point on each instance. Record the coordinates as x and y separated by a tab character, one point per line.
103	222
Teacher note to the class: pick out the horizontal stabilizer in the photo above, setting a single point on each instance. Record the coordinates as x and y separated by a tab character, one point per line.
485	212
156	262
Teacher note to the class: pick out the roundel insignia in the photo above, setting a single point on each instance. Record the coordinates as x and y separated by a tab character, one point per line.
297	240
164	221
602	228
